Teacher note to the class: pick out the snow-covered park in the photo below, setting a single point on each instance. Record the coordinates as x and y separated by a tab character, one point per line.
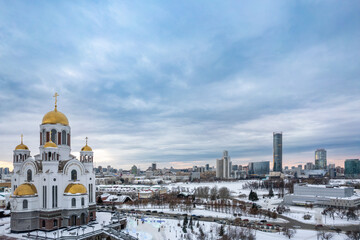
168	229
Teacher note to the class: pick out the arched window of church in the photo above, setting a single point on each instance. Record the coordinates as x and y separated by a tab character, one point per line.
44	137
82	201
25	204
73	202
29	175
63	137
74	175
53	135
49	156
43	223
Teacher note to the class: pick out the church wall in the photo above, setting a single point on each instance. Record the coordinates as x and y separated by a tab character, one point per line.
24	221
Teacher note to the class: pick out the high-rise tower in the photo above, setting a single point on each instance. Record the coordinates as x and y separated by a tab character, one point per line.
277	151
320	159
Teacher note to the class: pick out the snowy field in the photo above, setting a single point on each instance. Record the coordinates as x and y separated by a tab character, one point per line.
151	228
297	213
236	188
156	229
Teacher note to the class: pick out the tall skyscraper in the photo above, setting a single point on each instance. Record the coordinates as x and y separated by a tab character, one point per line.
227	164
223	165
277	151
219	168
320	159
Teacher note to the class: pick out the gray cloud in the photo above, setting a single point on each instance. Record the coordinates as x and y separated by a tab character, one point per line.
179	82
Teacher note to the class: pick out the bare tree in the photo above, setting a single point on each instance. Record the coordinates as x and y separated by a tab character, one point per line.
353	235
213	193
224	193
325	235
288	232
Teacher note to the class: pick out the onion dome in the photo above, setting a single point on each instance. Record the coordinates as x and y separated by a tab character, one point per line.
50	144
86	147
54	117
25	189
21	146
74	188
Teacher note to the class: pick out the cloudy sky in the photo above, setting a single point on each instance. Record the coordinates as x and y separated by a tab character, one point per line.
177	82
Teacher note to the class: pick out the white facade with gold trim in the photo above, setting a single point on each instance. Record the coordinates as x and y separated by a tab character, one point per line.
52	189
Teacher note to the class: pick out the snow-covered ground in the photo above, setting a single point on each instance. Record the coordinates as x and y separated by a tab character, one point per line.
151	228
156	229
208	213
297	213
236	188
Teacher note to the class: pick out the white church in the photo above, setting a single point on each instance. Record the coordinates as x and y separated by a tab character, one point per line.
52	189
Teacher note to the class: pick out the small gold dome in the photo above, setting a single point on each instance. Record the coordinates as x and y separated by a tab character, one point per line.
54	117
21	146
86	148
50	144
25	189
74	188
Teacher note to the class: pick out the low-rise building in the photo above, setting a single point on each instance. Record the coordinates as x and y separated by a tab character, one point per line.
323	195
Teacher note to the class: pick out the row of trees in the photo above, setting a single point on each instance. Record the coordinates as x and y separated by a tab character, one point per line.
212	193
350	213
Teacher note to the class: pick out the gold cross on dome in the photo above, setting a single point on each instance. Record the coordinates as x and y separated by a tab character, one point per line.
22	138
55	96
86	140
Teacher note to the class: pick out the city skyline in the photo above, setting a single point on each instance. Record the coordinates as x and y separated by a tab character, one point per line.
145	87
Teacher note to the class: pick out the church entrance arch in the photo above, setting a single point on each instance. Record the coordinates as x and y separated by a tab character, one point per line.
73	220
82	218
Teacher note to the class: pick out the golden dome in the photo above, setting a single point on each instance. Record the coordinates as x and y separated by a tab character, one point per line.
21	146
25	189
74	188
50	144
54	117
86	147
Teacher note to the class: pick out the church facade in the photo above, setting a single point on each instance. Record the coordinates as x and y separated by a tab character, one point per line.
52	189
